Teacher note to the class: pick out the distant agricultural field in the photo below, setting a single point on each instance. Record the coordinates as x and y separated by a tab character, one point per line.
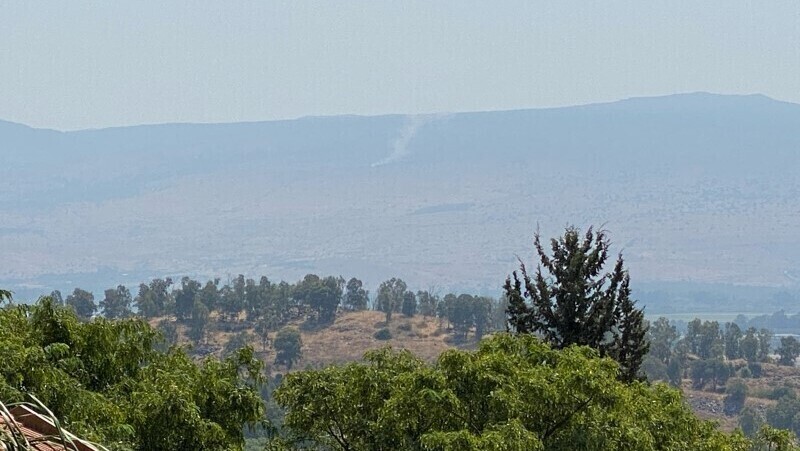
722	317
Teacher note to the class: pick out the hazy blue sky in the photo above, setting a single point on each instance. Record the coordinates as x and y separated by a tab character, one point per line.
74	64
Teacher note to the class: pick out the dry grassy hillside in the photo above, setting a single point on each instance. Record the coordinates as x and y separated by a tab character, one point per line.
353	333
347	339
709	404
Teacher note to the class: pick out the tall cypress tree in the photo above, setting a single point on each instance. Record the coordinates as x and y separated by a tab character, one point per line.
569	300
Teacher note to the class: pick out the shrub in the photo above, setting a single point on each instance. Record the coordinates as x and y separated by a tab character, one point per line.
383	334
781	392
519	393
736	394
750	421
755	369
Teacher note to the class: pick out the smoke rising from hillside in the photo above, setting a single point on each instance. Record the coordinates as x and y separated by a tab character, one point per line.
410	128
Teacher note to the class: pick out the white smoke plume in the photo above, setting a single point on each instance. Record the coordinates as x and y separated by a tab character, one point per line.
400	146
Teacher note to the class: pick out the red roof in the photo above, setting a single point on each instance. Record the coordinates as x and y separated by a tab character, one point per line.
40	431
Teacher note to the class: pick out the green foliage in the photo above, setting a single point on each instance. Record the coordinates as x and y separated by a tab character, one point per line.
390	296
705	339
654	369
82	302
713	372
383	334
207	404
662	336
116	303
185	298
465	312
567	300
355	297
514	393
108	383
749	345
755	369
750	421
209	295
732	337
288	346
321	296
785	414
735	396
198	322
409	305
236	342
675	372
169	332
789	351
745	373
232	298
780	392
427	303
154	299
264	325
771	439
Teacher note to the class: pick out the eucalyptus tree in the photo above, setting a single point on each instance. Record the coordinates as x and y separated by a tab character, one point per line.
288	346
117	302
788	351
390	296
320	296
662	336
155	299
82	302
409	304
355	296
427	303
185	298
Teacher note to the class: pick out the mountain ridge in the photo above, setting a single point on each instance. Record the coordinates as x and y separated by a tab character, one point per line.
381	115
704	184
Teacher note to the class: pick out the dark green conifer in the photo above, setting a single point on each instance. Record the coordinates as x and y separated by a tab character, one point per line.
570	301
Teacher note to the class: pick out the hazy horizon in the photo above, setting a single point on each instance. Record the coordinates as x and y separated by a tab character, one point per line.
682	181
81	65
401	114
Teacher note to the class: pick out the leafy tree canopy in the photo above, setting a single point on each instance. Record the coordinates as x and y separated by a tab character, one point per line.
288	346
107	382
117	302
390	296
322	296
82	302
514	393
355	297
789	350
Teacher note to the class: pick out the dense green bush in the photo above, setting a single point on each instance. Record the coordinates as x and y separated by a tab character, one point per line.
513	393
383	334
735	396
107	382
745	373
755	369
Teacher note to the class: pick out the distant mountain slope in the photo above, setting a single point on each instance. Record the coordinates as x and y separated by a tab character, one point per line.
697	187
